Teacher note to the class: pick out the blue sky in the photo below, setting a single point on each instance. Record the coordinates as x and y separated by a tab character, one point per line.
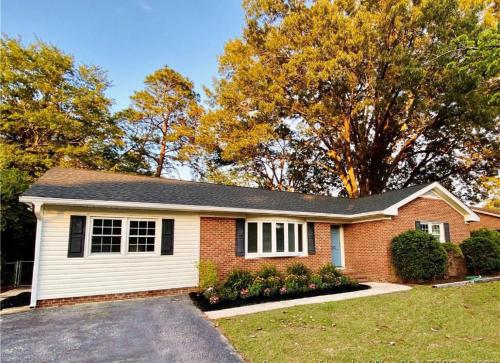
131	38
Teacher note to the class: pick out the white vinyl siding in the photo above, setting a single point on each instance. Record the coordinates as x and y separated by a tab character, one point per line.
108	273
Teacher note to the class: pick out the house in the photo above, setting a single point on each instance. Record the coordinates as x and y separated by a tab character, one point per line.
490	218
103	235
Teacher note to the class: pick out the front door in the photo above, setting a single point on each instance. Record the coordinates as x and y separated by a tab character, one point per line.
336	246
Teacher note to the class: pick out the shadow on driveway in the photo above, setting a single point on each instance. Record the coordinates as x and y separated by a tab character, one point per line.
148	330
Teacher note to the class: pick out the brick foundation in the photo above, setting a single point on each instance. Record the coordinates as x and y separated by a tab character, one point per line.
109	297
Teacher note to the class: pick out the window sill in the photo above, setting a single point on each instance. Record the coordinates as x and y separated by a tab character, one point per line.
273	255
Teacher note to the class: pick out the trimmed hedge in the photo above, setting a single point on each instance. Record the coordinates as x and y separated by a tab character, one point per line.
482	252
418	256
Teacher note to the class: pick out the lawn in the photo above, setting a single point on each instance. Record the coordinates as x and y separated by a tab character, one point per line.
460	323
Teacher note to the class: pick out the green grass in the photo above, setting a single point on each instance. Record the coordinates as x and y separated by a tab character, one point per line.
460	323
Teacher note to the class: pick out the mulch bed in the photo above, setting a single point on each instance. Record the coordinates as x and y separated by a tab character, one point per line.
204	305
22	299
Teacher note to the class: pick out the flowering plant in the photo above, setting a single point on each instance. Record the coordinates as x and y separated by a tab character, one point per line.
283	290
214	299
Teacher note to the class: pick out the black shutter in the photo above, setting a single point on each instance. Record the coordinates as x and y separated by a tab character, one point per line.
240	237
167	237
76	236
417	225
311	240
447	232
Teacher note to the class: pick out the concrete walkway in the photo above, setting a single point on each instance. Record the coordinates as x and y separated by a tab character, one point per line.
377	288
13	292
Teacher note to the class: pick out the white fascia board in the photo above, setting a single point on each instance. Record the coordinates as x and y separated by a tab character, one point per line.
189	208
470	216
487	213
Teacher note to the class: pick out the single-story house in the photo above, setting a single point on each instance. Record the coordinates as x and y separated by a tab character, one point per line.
103	235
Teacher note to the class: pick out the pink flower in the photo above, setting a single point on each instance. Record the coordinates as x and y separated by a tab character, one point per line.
283	290
214	300
267	291
312	286
244	293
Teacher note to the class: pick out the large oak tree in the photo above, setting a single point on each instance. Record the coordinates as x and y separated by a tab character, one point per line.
386	93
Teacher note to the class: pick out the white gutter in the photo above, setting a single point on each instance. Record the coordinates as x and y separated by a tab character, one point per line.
194	208
38	209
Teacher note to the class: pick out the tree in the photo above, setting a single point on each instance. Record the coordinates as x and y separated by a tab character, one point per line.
386	94
490	186
53	112
161	122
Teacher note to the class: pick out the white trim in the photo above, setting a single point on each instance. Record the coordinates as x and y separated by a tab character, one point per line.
38	210
487	213
274	253
187	208
469	215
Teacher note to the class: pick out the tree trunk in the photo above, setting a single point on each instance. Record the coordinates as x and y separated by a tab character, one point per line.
163	150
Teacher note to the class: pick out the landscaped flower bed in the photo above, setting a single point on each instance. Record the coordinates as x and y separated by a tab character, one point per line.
243	287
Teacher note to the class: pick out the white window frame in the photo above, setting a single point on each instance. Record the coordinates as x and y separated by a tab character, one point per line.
429	224
127	242
91	234
124	237
274	252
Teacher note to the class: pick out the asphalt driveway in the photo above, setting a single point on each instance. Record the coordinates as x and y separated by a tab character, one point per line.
147	330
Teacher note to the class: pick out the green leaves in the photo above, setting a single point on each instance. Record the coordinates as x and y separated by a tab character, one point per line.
385	94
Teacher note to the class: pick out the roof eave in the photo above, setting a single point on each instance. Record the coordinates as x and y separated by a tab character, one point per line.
196	208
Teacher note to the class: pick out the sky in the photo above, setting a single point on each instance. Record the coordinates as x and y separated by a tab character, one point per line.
131	38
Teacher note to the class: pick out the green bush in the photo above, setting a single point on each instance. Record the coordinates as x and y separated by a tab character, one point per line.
272	284
238	280
298	269
453	250
482	253
418	256
268	270
208	274
256	287
296	283
486	233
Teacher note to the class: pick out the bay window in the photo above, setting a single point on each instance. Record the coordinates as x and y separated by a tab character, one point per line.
266	238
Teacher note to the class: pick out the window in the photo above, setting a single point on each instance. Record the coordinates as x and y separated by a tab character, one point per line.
141	236
436	229
106	235
252	237
267	242
291	237
268	238
280	237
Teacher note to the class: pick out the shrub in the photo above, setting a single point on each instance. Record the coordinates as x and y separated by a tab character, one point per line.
482	254
453	250
317	281
238	280
329	274
226	293
418	256
256	287
268	270
208	274
272	284
298	269
486	233
296	283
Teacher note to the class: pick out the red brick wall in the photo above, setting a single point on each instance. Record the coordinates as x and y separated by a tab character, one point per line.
218	244
109	297
486	221
367	245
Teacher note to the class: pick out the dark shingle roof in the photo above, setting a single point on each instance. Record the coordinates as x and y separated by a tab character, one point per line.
106	186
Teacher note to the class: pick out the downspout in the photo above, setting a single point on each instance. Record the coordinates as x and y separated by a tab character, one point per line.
37	208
